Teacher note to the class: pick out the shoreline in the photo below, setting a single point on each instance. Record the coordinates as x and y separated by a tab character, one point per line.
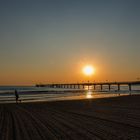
73	95
84	95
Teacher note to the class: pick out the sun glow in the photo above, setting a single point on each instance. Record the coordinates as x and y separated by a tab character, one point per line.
88	70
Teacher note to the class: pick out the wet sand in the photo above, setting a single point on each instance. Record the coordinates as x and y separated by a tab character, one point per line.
95	119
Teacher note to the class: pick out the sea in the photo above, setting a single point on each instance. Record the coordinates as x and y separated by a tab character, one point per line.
35	94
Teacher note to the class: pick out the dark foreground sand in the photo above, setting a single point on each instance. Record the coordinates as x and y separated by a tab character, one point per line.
112	118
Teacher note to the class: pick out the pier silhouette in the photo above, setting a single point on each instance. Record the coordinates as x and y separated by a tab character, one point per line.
94	84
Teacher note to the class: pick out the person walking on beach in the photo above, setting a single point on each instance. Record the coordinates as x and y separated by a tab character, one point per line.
16	95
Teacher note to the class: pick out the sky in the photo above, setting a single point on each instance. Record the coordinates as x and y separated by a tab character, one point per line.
50	41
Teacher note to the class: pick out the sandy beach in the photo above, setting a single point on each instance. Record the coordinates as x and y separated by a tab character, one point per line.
107	119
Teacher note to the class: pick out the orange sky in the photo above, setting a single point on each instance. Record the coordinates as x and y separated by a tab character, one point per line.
51	41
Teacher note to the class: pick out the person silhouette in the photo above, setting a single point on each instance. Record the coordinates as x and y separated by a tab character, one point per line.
16	95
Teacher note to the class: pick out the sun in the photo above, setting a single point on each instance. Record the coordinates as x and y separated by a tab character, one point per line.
88	70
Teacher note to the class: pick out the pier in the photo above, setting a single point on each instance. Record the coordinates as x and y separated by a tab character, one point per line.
94	84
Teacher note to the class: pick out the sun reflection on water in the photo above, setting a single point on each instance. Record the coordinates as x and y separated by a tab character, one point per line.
89	95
